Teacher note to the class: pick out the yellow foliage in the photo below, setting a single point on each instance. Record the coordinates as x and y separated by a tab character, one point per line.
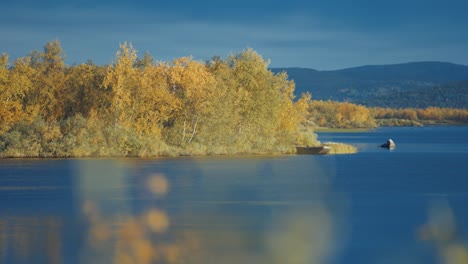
342	115
430	114
157	221
14	86
121	79
158	184
154	102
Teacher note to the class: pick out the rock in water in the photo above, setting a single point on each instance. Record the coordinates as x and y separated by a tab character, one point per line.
389	144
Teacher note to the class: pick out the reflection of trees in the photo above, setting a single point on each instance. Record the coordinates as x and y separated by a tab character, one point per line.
221	211
144	237
31	239
441	230
3	239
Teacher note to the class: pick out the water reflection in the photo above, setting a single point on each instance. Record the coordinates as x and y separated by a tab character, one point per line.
233	210
442	231
30	238
211	212
133	211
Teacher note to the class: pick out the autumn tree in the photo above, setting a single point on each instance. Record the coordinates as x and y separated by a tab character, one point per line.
254	107
82	93
258	96
145	61
15	86
6	113
192	83
222	126
49	81
155	104
340	114
121	80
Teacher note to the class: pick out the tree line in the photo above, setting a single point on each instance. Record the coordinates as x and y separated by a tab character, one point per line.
348	115
137	106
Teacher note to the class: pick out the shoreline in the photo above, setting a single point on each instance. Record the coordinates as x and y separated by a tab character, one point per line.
250	155
342	149
358	130
185	154
341	130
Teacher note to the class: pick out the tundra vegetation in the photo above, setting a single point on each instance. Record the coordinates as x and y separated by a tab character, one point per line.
138	107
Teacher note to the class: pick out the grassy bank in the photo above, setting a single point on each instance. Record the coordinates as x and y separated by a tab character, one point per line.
340	148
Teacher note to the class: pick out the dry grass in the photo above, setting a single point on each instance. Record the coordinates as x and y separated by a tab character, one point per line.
340	148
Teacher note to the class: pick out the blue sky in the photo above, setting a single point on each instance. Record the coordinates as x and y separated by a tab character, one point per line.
315	34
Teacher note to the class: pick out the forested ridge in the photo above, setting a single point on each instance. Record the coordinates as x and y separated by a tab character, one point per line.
450	95
405	85
139	107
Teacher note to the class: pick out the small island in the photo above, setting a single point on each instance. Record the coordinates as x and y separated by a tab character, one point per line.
136	107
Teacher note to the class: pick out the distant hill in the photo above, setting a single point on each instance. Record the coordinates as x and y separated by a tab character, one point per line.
452	95
414	84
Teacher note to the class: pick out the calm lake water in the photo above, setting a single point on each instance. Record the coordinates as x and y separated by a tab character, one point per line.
407	205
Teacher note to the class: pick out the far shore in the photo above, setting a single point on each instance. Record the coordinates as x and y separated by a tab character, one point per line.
339	130
358	130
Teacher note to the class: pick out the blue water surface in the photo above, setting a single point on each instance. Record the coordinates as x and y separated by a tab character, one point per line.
369	207
391	190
